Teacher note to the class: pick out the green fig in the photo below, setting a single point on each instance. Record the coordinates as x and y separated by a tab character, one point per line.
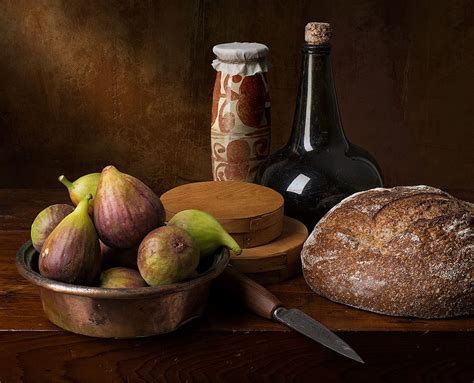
125	209
46	221
71	253
81	187
167	255
205	230
121	278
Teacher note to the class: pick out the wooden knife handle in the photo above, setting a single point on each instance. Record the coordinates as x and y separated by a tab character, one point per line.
254	296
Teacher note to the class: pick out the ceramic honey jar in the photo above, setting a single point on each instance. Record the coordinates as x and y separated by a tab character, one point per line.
240	128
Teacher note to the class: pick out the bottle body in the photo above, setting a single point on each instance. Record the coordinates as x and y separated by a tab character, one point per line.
318	167
312	184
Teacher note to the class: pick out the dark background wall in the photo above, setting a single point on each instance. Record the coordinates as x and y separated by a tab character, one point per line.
86	83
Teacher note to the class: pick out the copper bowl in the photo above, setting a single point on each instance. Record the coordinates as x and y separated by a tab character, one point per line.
121	313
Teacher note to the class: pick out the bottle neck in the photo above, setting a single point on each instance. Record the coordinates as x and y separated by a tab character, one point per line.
316	122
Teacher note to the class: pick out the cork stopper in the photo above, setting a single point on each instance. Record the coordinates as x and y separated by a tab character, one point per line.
317	33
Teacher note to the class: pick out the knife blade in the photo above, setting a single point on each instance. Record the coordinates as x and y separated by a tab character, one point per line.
263	303
304	324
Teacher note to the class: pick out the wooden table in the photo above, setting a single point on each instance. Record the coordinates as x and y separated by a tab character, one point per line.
228	344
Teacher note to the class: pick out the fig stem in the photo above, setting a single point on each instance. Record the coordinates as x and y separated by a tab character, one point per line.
65	181
84	204
236	250
232	244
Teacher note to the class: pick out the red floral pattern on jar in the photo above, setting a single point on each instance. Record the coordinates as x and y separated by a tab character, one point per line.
240	131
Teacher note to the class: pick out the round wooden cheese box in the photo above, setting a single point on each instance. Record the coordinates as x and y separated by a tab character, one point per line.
251	213
275	261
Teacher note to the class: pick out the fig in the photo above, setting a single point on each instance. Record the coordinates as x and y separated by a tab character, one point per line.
125	209
71	253
118	257
121	278
167	255
205	230
81	187
46	221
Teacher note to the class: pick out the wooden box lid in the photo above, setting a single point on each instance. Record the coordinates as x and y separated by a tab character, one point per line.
240	207
277	260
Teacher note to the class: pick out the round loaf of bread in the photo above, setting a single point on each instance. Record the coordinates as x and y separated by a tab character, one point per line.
404	251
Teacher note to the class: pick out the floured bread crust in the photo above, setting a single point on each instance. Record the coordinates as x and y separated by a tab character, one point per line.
404	251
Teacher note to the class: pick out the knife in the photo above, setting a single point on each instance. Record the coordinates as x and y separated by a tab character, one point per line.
263	303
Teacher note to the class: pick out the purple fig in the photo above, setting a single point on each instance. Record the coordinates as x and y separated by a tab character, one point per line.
125	209
81	187
118	257
121	278
167	255
46	221
71	253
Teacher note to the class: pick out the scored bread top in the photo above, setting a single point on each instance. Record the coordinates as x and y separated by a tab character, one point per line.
401	251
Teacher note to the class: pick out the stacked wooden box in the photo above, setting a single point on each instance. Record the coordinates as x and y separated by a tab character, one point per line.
253	215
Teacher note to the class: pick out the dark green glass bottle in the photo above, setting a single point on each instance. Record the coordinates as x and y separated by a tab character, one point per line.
318	167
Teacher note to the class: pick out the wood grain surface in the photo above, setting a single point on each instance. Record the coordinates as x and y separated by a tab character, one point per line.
260	237
189	356
239	206
278	258
227	344
86	83
19	207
